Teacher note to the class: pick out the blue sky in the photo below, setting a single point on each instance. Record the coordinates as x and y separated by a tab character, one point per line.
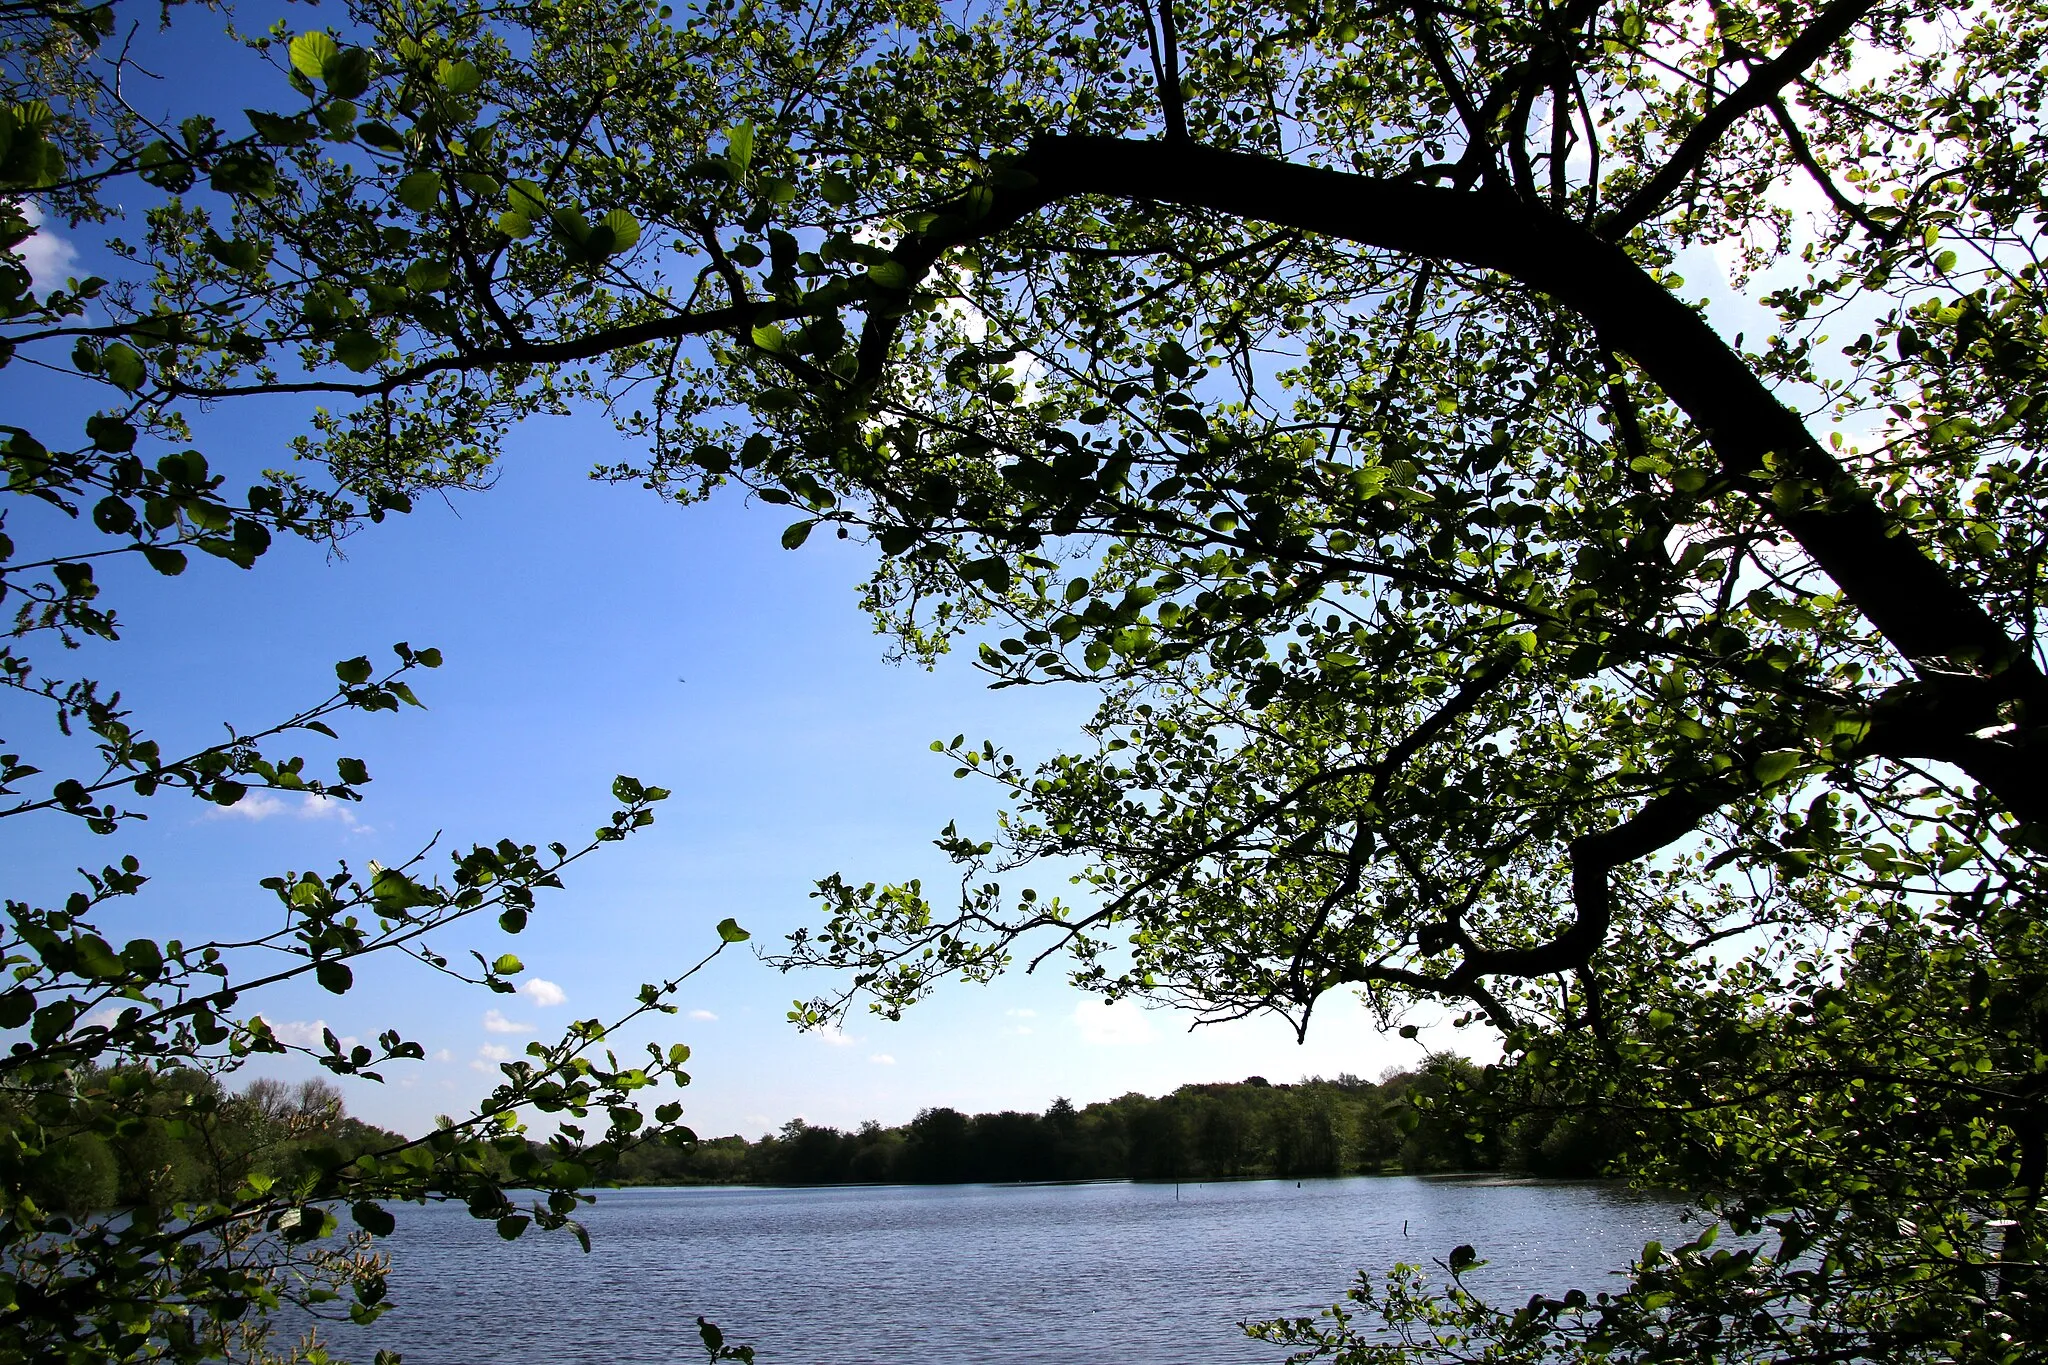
591	630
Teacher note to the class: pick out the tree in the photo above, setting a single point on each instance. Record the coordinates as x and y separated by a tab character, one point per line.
1477	617
146	1213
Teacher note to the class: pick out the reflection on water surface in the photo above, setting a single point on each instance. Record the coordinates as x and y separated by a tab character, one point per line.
1139	1274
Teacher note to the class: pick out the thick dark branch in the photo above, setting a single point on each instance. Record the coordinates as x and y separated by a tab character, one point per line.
1829	28
1662	821
1764	448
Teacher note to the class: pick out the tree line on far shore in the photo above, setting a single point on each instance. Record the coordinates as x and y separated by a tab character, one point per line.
197	1140
1432	1119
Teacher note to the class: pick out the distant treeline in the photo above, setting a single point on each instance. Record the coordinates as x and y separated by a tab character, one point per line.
108	1143
1407	1121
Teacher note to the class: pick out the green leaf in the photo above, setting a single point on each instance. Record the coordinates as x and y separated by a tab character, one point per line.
1772	767
359	350
335	976
347	72
169	563
623	226
889	274
511	1225
420	191
110	434
507	964
374	1219
796	533
235	254
15	1007
426	277
526	197
113	515
739	146
311	52
457	77
381	135
122	365
768	336
729	931
285	132
517	226
354	671
394	890
353	771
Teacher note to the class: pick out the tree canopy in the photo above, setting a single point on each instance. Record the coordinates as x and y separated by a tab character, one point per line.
1479	616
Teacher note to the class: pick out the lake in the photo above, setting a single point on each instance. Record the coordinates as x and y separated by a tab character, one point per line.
852	1275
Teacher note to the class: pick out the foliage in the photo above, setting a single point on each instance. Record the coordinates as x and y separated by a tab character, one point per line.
146	1213
1477	617
1199	1132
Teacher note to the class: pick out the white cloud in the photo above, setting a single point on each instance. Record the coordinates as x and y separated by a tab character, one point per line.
1021	1014
705	1015
327	808
442	1054
306	1033
254	806
542	993
261	805
882	1059
1105	1023
298	1033
488	1055
496	1022
49	258
836	1037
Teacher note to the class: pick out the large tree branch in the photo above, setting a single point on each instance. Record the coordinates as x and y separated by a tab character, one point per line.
1764	448
1763	85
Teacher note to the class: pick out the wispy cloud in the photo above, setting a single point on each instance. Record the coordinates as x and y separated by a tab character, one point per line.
1021	1014
706	1015
882	1059
836	1037
1105	1023
542	993
496	1022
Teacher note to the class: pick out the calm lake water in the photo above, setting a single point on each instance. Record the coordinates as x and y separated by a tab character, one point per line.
1036	1273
